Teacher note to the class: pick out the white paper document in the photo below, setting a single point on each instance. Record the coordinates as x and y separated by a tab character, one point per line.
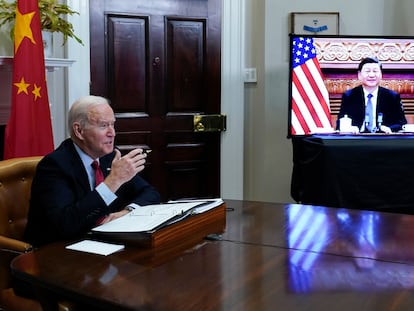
149	217
204	206
96	247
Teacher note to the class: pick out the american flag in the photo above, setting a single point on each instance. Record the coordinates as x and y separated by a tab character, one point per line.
310	99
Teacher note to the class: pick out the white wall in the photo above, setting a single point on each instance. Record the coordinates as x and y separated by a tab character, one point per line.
268	153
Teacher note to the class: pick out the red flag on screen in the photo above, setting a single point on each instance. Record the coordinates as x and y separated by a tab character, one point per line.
310	98
29	129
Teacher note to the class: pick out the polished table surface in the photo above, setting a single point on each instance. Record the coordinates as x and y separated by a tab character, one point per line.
270	257
373	172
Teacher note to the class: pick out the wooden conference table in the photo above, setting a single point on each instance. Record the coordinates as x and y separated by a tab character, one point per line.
271	257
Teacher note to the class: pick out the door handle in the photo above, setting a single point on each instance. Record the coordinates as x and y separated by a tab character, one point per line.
209	123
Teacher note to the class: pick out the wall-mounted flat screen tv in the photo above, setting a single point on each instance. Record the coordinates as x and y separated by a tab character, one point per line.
323	67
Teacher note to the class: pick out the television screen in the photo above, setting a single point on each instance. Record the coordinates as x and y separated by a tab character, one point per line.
322	68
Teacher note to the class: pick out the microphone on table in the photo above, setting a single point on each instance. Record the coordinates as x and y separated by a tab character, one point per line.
366	124
380	117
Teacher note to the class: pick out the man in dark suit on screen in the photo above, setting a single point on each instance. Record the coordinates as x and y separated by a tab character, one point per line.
370	98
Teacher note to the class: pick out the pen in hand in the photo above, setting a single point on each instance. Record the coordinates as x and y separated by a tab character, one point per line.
144	151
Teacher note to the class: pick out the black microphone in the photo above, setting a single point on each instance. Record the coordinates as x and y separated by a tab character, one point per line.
379	123
366	124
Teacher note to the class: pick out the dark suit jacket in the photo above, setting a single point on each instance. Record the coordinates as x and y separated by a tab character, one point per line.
388	102
62	205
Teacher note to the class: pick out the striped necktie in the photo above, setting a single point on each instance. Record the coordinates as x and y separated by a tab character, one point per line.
369	112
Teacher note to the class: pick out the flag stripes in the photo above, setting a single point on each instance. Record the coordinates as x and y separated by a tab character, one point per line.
310	98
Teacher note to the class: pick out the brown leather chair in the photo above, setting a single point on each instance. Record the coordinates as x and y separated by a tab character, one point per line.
15	181
16	177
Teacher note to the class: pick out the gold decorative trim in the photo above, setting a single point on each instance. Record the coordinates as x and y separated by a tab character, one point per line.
338	86
348	52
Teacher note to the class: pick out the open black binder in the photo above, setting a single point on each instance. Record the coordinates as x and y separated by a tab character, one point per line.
205	217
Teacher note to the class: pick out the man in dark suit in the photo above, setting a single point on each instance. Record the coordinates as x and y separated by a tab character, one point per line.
385	102
65	200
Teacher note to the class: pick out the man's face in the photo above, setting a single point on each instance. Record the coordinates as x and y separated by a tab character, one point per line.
99	133
370	75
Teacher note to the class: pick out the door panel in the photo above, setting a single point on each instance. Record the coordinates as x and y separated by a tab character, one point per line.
186	68
159	64
127	37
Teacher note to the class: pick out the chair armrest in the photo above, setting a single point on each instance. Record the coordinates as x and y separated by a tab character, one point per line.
14	245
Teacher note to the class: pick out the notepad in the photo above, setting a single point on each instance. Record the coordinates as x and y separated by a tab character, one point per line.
204	205
153	226
96	247
150	217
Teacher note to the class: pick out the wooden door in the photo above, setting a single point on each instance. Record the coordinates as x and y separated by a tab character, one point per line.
159	64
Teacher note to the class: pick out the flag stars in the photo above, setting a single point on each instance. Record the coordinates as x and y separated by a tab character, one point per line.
23	87
29	100
23	29
36	91
303	50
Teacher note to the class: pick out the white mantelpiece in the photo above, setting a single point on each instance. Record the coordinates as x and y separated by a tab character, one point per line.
51	64
56	91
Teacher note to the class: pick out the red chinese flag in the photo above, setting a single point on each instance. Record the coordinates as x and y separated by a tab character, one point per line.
29	129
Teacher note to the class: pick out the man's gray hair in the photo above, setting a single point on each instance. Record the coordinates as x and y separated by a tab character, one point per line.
79	110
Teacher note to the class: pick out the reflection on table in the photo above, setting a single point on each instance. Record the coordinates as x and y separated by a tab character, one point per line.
271	256
362	250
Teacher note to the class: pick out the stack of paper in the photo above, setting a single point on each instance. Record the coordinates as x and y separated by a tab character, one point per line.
95	247
150	217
